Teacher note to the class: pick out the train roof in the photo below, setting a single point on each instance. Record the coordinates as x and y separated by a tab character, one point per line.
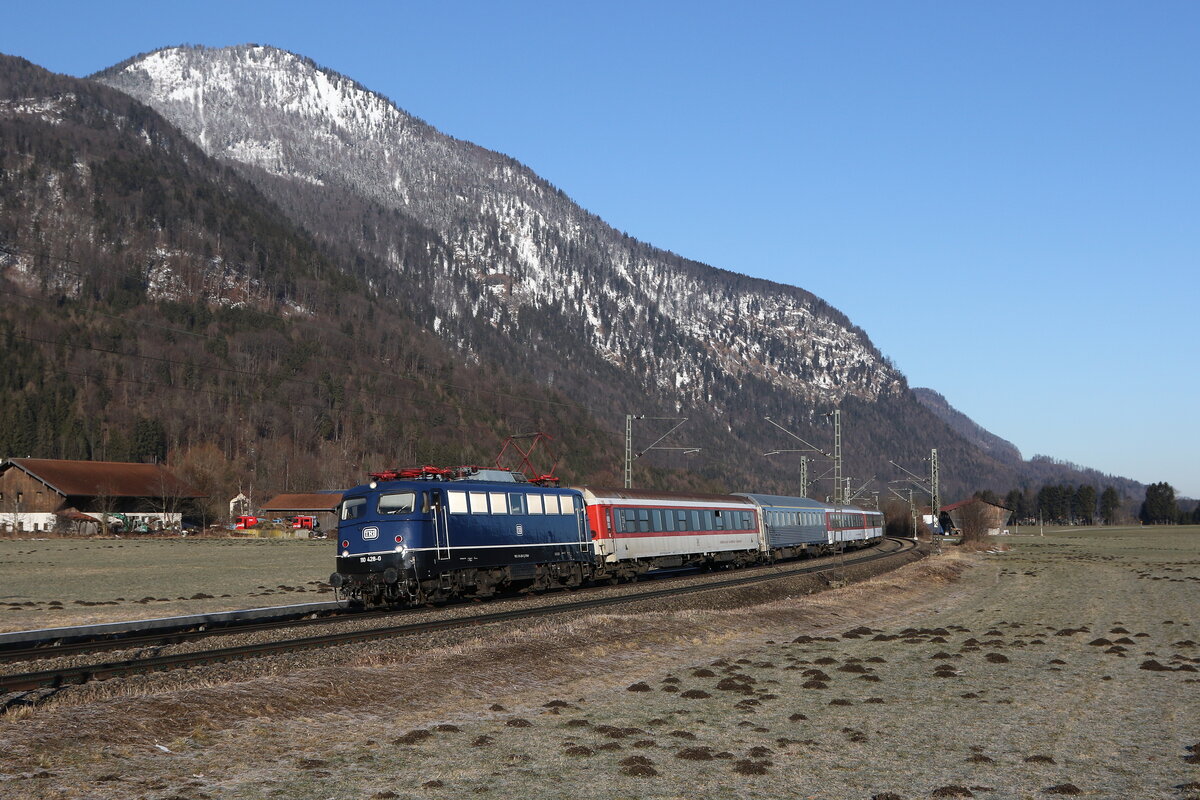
783	501
492	480
650	496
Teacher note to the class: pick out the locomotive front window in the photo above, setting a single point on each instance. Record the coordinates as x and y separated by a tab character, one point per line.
354	508
401	503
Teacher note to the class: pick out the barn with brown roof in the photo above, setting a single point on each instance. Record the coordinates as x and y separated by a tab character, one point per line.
322	505
44	494
974	513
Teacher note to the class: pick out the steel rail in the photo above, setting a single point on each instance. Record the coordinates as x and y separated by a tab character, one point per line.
58	646
56	678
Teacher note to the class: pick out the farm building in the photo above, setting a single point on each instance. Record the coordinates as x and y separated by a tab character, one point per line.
42	494
976	513
321	505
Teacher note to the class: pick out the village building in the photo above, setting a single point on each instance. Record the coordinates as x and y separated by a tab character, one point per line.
321	506
43	494
977	513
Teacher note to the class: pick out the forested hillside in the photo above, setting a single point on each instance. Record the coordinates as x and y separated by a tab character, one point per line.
158	306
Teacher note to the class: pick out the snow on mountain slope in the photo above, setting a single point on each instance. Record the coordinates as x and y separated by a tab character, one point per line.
518	243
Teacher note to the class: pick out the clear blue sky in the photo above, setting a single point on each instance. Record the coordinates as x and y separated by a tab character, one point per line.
1005	196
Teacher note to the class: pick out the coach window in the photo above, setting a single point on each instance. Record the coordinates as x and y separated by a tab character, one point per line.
706	517
402	503
643	520
353	509
656	522
668	520
718	520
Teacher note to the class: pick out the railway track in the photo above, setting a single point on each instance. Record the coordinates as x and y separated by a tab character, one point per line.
59	645
31	687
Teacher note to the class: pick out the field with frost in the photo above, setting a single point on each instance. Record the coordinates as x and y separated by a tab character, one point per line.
1065	666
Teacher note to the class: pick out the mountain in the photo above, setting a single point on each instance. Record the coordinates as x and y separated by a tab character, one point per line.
157	304
248	257
521	248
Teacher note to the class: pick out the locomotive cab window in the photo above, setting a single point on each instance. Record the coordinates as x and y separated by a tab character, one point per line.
401	503
457	502
353	508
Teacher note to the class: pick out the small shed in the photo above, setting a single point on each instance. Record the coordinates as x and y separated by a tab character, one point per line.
322	505
977	513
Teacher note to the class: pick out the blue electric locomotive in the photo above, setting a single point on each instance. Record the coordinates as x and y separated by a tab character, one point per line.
428	535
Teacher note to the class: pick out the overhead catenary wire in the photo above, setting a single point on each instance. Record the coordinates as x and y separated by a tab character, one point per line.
306	382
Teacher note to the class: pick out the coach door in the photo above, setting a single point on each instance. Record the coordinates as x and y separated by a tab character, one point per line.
441	526
585	536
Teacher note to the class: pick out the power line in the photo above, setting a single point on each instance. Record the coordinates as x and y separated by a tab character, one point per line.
142	322
305	382
239	396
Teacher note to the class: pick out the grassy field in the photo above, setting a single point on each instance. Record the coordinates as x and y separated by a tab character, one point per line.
1066	666
54	582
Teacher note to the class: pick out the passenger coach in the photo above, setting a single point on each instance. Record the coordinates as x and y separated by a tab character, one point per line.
794	526
634	531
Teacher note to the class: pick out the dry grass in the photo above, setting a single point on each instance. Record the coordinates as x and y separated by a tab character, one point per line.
59	582
547	711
